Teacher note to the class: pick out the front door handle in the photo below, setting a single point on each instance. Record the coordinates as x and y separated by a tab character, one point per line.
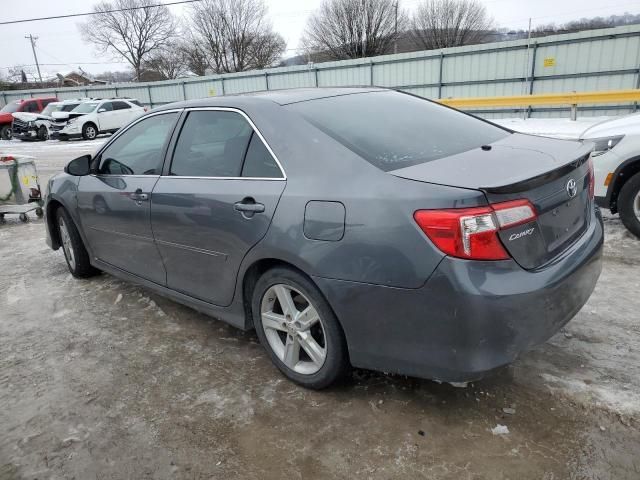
248	207
138	196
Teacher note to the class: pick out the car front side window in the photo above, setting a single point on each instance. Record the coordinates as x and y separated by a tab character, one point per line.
138	150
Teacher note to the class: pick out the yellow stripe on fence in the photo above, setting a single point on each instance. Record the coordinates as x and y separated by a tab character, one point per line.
575	98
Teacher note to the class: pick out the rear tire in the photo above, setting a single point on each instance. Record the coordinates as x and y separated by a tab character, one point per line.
629	204
5	132
75	253
308	348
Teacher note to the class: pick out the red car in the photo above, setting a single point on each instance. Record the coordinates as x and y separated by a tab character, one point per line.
32	105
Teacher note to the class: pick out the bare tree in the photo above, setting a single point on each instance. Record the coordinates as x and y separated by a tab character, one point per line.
450	23
133	33
168	63
195	55
353	28
235	34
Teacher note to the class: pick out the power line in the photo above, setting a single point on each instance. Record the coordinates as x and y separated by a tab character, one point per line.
70	15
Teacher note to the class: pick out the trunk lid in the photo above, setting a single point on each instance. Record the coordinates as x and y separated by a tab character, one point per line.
552	174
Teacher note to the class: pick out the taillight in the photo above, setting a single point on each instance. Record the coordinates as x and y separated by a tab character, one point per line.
592	180
472	233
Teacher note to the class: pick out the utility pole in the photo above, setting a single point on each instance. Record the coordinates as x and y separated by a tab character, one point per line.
395	42
33	39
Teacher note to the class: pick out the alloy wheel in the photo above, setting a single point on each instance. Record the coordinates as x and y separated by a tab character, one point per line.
294	329
91	133
66	244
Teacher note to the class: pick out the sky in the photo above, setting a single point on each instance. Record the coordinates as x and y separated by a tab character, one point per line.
60	48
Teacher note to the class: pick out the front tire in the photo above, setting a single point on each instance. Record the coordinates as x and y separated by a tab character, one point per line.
75	253
89	131
298	329
43	133
5	132
629	204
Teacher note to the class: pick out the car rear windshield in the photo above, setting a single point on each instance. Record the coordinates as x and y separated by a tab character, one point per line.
392	130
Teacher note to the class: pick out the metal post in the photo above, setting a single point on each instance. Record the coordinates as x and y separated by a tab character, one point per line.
184	91
222	85
149	94
115	90
86	92
533	74
266	79
440	75
4	98
574	112
635	104
371	74
315	74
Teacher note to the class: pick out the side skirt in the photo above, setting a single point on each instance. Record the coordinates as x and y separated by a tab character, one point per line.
232	315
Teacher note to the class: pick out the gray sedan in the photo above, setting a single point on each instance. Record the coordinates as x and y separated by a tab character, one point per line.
348	226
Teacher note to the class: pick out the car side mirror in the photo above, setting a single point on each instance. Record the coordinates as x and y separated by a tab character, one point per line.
79	167
100	110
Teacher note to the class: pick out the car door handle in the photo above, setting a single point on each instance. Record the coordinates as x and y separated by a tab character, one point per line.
138	196
249	205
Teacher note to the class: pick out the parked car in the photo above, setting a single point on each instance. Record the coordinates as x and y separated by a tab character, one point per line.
348	226
616	160
36	126
30	105
89	119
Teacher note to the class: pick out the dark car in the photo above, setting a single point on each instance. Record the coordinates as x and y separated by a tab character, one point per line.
348	226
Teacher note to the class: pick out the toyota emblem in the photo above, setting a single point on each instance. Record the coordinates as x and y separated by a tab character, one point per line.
572	188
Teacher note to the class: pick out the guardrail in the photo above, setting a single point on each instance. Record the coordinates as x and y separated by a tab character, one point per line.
573	99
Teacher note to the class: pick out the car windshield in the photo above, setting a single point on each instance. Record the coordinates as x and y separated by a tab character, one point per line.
85	107
52	107
392	130
10	107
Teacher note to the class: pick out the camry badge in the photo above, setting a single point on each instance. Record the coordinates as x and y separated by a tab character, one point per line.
572	188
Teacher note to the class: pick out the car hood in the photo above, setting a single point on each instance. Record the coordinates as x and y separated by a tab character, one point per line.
29	117
626	125
513	159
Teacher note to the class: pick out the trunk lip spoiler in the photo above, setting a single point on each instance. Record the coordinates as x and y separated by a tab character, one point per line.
541	179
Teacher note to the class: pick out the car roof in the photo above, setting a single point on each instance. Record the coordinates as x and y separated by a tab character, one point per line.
281	97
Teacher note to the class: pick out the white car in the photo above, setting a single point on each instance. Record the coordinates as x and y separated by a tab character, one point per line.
616	162
37	126
91	118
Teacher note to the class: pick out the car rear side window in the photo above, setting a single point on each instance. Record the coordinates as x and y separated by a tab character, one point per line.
392	130
259	163
120	105
31	107
138	150
211	144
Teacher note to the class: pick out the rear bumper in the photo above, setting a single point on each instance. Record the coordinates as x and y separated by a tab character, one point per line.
470	317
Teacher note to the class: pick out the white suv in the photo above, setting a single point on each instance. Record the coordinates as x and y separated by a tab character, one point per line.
616	164
37	126
93	117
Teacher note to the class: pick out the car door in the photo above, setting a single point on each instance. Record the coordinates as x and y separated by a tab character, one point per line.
213	202
123	113
114	203
106	117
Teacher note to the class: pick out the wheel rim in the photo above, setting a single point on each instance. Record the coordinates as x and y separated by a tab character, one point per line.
294	329
91	132
636	205
66	244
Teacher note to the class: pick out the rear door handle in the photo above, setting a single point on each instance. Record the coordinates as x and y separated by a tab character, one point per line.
248	207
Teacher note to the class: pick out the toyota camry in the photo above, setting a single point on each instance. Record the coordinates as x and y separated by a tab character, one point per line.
348	226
